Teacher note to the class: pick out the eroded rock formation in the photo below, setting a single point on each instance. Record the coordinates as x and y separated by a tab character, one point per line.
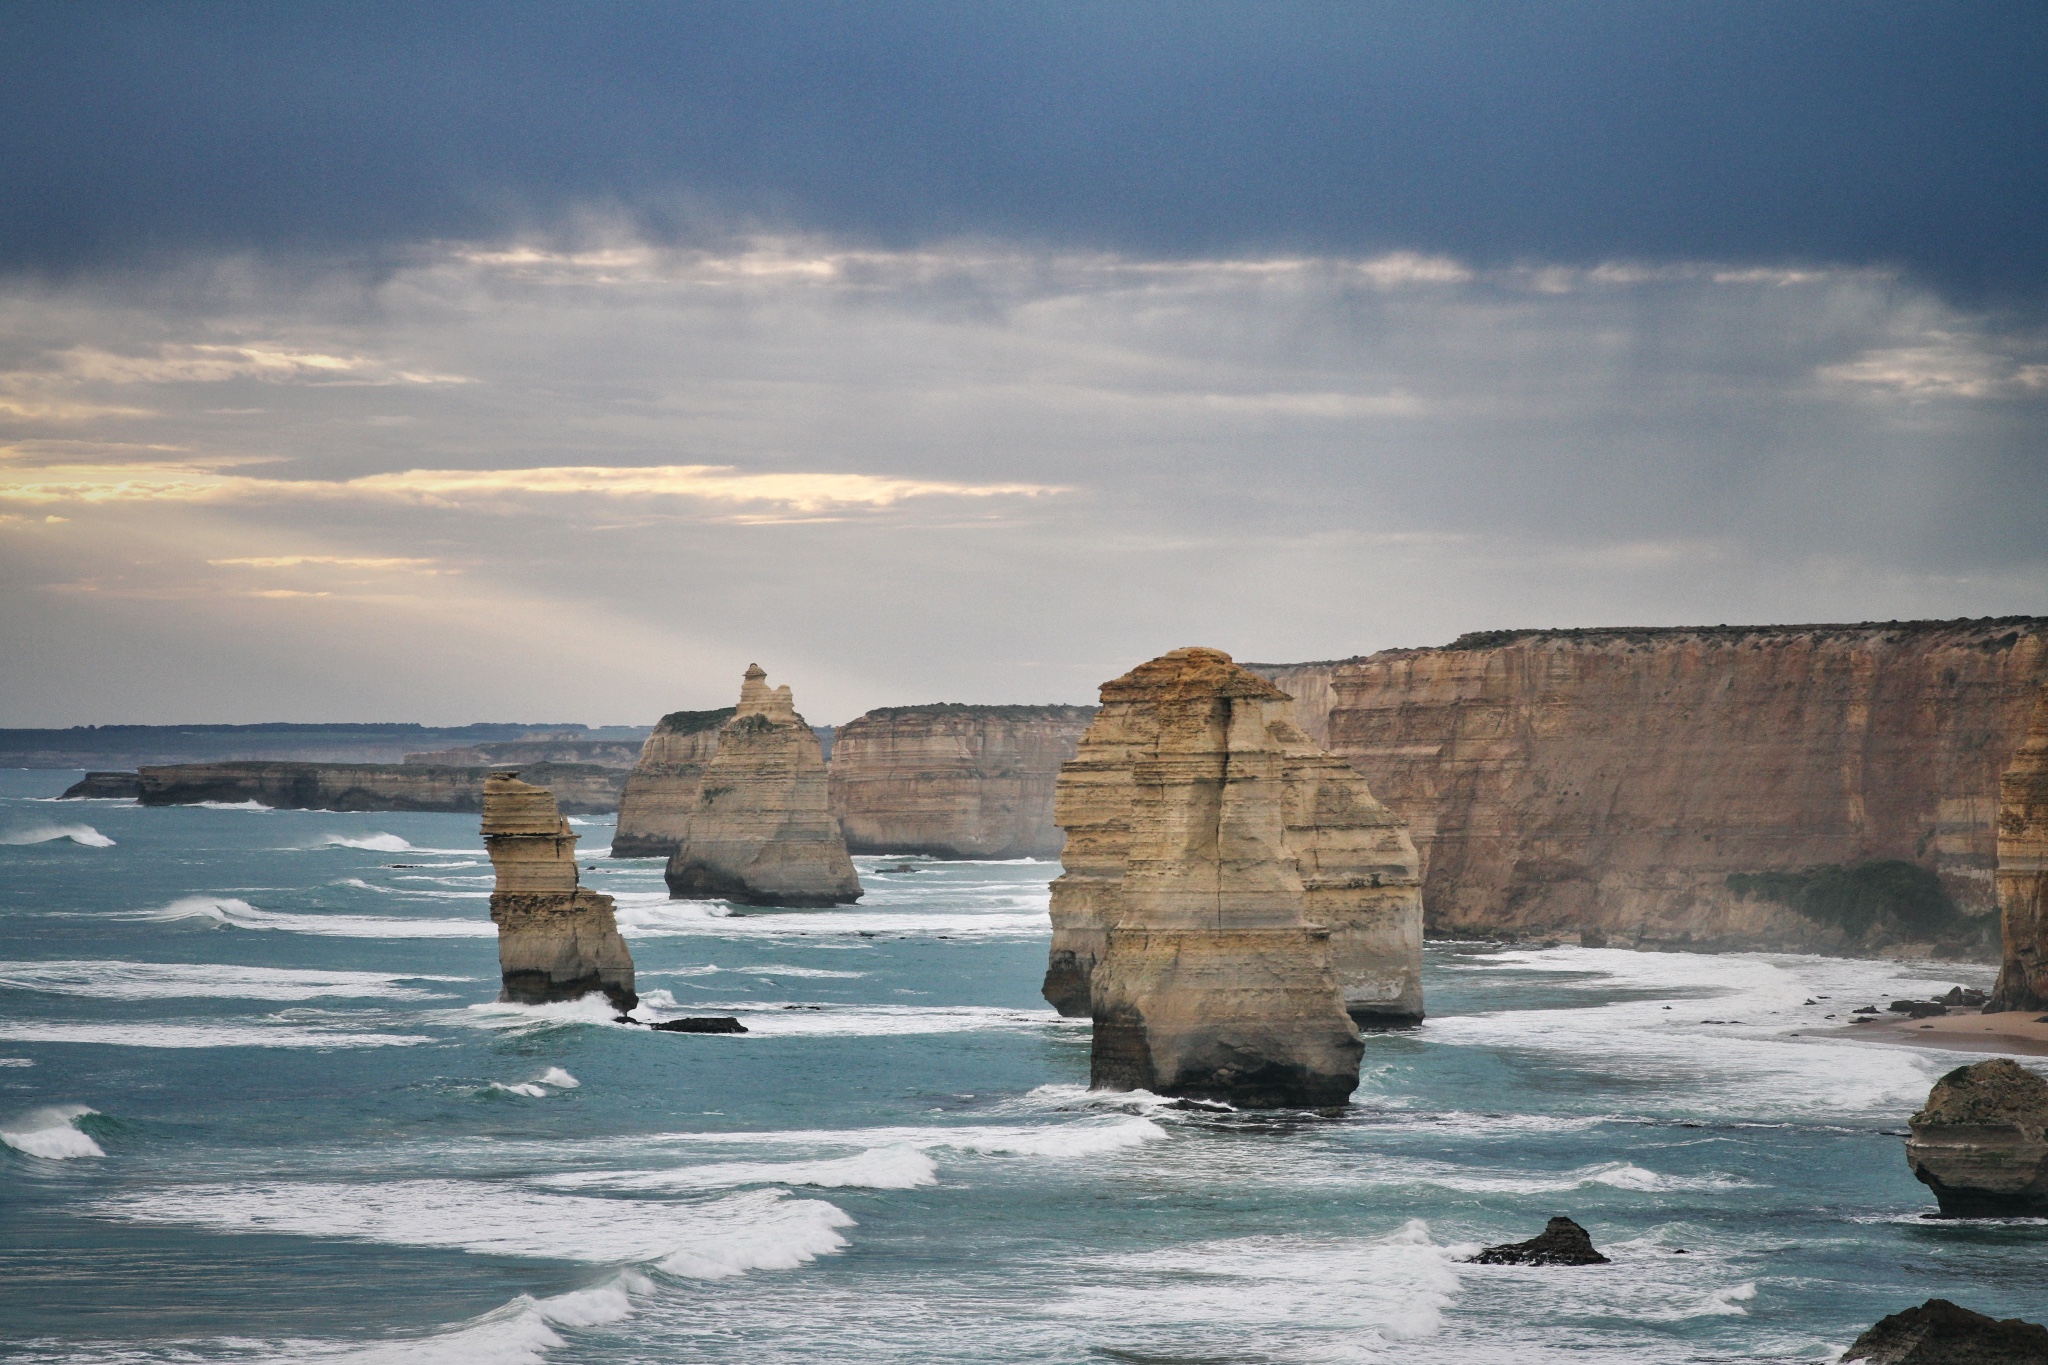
1942	1333
556	940
1562	1242
104	787
953	781
661	792
2023	871
1712	787
1202	826
1981	1142
579	789
762	830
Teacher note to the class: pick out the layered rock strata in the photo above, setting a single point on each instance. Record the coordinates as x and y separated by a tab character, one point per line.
662	790
1195	850
762	830
1671	787
954	781
579	789
2023	871
556	940
104	787
1981	1142
528	753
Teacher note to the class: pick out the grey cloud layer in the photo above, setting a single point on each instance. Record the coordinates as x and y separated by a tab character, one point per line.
975	472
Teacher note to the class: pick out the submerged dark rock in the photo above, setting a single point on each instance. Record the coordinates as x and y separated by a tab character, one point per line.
1562	1242
718	1024
1941	1333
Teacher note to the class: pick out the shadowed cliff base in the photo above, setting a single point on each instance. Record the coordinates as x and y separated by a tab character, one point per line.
2023	870
580	789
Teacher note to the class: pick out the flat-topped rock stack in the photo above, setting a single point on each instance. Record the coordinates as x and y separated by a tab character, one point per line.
1981	1141
1202	826
762	831
2022	874
661	791
556	940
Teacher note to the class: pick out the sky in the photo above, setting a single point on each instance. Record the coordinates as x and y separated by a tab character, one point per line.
445	363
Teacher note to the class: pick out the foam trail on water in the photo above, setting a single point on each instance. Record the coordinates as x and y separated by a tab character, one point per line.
250	805
756	1230
196	1034
83	835
227	912
883	1168
376	843
168	981
51	1133
554	1078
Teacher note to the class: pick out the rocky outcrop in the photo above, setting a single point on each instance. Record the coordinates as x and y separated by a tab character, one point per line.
528	753
580	790
1193	812
104	787
954	781
556	940
1981	1142
1941	1333
2023	871
762	831
662	790
1562	1242
1829	788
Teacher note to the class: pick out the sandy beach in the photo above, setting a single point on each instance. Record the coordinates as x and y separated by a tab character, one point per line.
2019	1032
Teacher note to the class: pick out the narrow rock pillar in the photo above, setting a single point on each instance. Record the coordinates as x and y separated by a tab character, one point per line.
556	940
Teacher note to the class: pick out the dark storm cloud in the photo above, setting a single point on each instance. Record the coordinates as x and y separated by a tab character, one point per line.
1908	135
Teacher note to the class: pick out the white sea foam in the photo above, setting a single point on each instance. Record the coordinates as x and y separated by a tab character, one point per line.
225	912
648	914
83	835
51	1133
874	1021
16	1061
1619	1175
196	1033
511	1016
1085	1138
251	805
168	981
560	1079
375	843
753	1230
550	1081
882	1168
783	969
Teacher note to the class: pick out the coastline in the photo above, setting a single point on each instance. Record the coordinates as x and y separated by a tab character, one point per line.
2016	1032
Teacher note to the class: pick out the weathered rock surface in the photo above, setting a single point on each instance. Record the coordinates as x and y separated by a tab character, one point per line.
2023	871
954	781
661	793
556	940
1562	1242
762	832
528	753
104	787
1941	1333
1619	780
1191	810
579	789
1981	1142
1350	856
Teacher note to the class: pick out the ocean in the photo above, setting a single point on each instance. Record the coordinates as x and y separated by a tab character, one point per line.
259	1103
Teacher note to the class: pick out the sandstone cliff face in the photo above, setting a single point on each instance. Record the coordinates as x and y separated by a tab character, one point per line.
2023	870
1615	782
527	753
762	831
1192	808
1981	1141
556	940
953	781
662	790
580	790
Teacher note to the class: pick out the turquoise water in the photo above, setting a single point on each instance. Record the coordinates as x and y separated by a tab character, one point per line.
259	1104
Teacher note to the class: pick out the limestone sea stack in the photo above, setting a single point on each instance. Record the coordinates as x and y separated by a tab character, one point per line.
661	792
2022	874
762	831
1981	1142
556	940
1183	915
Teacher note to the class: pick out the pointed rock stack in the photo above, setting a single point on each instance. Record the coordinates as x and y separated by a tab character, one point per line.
556	941
763	832
2023	871
661	791
1202	826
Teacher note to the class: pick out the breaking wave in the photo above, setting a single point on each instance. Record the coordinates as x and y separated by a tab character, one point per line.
882	1168
170	981
51	1133
227	912
83	835
376	843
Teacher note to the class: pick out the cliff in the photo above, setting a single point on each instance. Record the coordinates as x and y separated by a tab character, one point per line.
953	781
1193	808
2023	870
601	753
556	940
366	786
663	788
104	787
762	831
131	746
1826	788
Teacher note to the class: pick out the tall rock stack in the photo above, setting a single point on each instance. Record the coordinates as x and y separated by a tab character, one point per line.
661	791
762	831
1193	809
2023	870
556	941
